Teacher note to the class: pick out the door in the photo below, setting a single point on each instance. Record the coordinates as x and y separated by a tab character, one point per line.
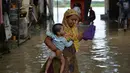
113	10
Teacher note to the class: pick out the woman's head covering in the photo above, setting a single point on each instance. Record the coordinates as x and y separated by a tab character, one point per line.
72	32
68	13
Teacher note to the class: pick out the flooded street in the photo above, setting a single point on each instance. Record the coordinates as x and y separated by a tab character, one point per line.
109	52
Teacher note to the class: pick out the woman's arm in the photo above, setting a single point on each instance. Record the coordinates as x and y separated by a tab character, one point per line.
48	42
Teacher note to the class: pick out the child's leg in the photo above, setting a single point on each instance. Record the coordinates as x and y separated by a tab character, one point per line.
62	63
48	63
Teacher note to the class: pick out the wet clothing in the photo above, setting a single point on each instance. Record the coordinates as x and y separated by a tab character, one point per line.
71	66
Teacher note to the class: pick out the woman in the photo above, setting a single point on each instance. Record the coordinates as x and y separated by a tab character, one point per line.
70	20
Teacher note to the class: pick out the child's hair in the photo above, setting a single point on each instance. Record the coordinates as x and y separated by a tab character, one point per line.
56	28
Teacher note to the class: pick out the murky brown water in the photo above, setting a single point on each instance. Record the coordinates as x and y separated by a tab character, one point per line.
109	52
28	58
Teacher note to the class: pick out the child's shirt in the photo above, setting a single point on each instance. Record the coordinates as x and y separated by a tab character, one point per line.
59	42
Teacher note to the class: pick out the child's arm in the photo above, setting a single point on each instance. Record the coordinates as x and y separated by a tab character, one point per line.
48	33
67	44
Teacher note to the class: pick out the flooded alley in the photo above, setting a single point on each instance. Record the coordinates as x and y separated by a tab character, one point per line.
109	52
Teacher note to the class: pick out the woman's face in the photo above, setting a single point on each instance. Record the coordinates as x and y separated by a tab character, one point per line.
72	20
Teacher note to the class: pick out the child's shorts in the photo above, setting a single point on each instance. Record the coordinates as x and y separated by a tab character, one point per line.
52	54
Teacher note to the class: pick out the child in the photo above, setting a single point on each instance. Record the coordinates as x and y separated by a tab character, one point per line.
60	42
77	8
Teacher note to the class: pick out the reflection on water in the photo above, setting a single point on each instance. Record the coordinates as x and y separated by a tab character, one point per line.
101	51
44	54
109	51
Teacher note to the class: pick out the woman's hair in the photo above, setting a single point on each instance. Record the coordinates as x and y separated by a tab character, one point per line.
56	28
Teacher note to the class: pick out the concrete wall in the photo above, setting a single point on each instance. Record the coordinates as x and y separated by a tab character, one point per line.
111	9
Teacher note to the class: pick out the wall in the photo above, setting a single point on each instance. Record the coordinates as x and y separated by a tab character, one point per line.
113	9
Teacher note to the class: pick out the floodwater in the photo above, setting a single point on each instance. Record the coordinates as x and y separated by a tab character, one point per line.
109	52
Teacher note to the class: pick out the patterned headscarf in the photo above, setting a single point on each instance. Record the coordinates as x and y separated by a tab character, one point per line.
71	31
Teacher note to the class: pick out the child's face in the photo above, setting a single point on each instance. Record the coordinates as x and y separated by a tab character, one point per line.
62	32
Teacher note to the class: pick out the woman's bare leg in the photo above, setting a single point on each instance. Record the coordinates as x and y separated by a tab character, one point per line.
48	63
62	64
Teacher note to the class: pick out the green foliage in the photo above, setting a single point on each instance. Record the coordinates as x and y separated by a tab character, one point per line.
97	4
67	4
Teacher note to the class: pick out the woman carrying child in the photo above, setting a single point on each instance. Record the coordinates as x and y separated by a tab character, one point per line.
71	18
